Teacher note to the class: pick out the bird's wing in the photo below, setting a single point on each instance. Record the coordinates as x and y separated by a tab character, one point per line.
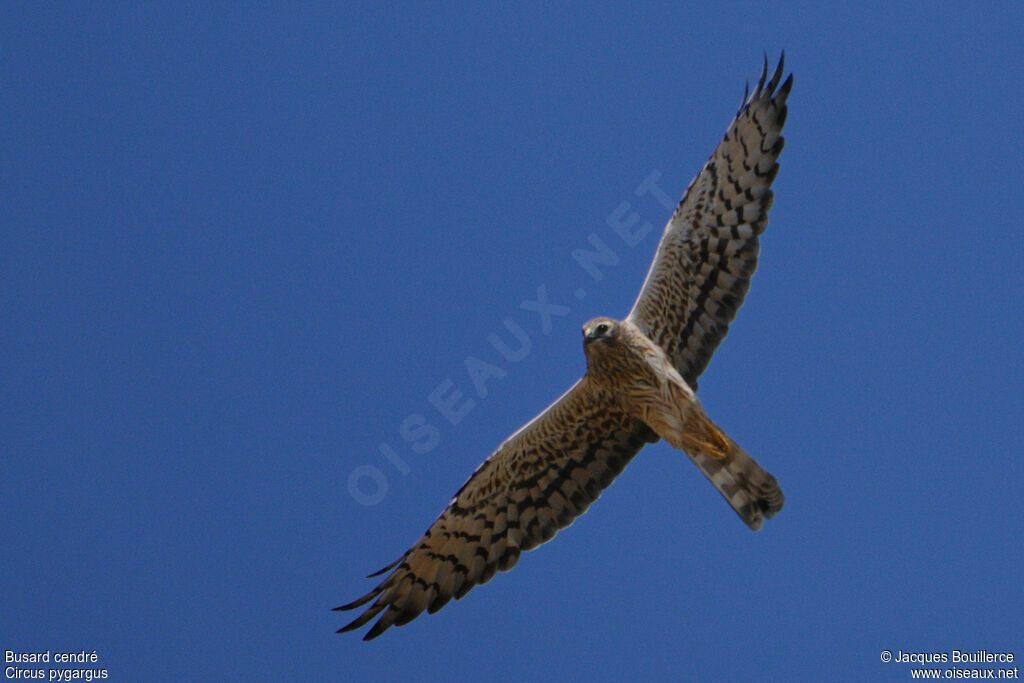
538	481
705	259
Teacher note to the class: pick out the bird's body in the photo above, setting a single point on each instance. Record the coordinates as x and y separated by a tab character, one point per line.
634	371
642	380
640	385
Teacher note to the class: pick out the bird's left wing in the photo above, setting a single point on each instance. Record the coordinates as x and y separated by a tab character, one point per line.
538	481
709	250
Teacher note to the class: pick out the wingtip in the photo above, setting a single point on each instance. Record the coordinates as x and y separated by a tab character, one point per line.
383	624
787	85
764	75
384	569
346	628
350	605
773	82
373	633
746	96
766	84
358	602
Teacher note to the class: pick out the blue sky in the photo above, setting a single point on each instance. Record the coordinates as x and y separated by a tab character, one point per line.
242	246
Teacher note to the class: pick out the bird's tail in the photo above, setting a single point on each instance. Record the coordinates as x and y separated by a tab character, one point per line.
753	493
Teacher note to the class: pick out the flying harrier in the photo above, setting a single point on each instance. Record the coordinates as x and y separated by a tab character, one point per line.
639	387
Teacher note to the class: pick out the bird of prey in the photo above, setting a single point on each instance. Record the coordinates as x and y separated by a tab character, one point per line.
639	386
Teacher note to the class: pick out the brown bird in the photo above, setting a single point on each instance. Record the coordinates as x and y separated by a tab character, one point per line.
639	386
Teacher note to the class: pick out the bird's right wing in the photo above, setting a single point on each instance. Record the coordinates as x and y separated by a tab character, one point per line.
538	481
709	250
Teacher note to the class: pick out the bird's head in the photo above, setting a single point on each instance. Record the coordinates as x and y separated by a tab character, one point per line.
600	331
601	337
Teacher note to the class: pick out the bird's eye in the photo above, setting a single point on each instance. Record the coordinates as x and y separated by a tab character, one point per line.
602	328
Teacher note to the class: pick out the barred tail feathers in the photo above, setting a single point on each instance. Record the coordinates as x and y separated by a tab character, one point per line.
752	492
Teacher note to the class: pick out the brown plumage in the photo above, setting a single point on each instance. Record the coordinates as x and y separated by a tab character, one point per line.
622	360
640	382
